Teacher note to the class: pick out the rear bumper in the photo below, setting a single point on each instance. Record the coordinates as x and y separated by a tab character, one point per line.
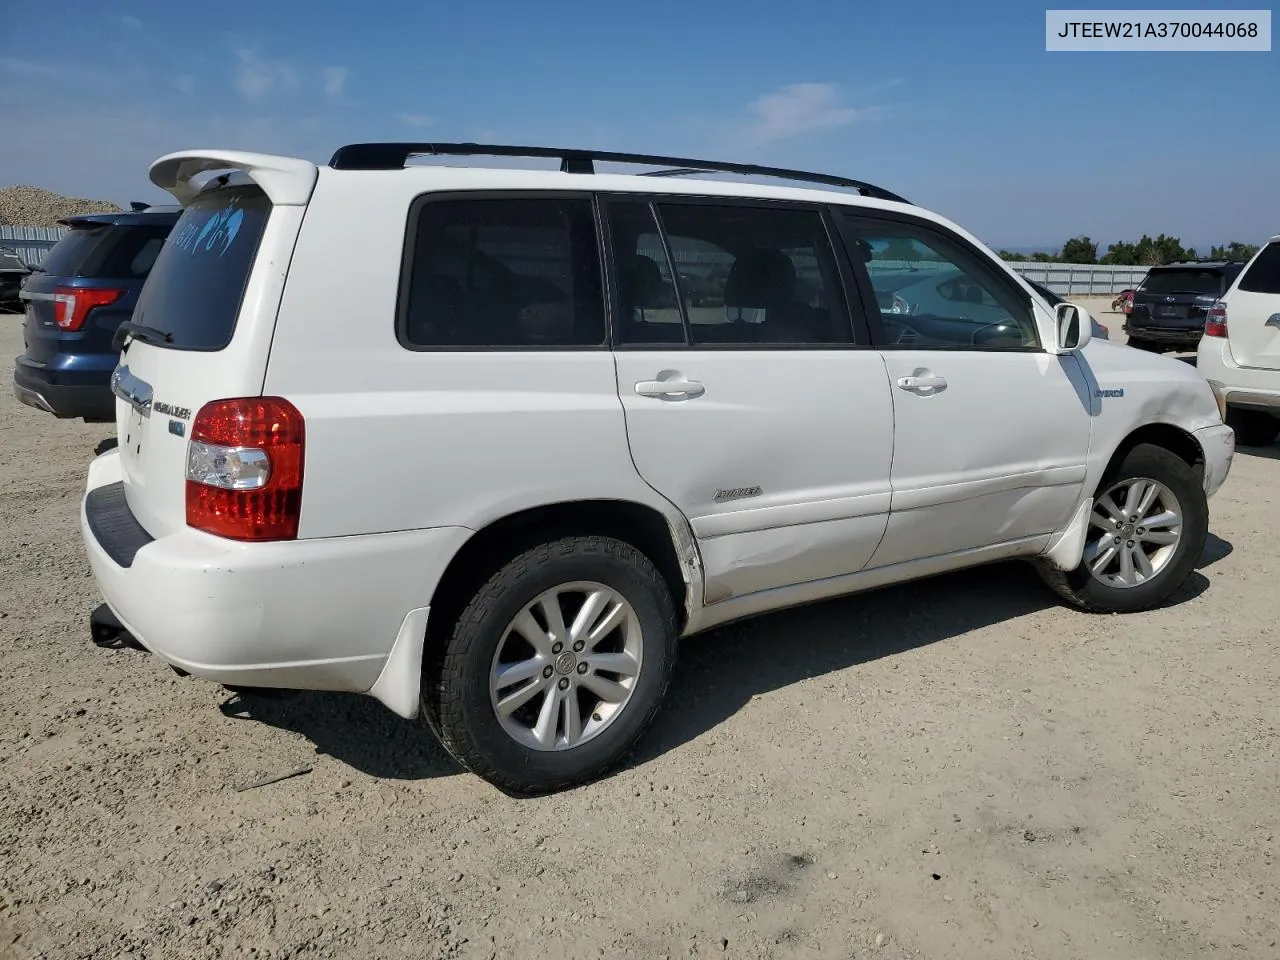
88	396
1140	330
324	614
1248	388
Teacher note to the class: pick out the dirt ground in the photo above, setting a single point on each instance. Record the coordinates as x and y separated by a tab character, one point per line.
956	768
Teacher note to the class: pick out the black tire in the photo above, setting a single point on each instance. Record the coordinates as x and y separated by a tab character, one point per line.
1254	428
455	683
1082	589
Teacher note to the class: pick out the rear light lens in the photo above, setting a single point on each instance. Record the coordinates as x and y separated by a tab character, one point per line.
1215	324
244	469
1128	302
71	305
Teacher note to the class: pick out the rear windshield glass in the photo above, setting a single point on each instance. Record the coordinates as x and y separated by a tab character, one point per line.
197	283
10	260
107	252
72	250
1190	281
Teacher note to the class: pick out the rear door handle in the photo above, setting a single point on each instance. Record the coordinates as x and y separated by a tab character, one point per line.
922	383
670	389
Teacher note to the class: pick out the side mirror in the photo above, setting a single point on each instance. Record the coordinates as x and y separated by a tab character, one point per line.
1075	327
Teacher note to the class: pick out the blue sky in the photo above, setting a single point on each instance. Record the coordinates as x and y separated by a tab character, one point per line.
958	110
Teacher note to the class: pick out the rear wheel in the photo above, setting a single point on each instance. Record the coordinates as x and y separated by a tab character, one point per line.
556	667
1148	526
1254	428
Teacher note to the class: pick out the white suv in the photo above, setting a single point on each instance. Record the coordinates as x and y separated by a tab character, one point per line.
1239	353
485	443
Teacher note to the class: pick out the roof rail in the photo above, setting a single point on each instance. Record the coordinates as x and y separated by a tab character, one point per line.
393	156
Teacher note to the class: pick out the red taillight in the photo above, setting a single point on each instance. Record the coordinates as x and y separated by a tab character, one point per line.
1128	302
244	469
71	305
1215	324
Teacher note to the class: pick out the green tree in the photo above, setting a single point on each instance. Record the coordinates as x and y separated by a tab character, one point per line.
1235	250
1079	250
1148	252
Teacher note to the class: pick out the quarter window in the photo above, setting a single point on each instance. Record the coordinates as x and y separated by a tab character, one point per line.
934	293
505	273
1264	273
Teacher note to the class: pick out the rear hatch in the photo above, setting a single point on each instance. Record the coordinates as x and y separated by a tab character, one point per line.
88	285
1253	311
200	332
1177	298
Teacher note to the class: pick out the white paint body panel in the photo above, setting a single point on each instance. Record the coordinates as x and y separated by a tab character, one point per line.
409	453
812	429
1254	344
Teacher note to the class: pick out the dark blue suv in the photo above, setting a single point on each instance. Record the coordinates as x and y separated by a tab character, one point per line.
74	301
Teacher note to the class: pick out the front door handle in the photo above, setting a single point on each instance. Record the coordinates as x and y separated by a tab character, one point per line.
670	389
917	383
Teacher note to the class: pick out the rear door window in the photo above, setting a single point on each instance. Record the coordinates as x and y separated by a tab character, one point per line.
1263	275
197	283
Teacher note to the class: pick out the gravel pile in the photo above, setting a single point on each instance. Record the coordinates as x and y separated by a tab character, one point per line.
25	206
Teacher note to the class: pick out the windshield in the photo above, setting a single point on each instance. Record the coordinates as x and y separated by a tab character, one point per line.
1194	281
195	288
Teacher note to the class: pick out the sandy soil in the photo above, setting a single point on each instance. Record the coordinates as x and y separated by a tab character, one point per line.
956	768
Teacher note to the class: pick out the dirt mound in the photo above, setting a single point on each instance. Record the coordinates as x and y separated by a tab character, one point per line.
25	206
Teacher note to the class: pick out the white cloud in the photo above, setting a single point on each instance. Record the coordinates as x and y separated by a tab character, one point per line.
133	23
335	78
800	108
256	76
416	120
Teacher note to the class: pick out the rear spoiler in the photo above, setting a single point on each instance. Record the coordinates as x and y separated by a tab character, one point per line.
287	181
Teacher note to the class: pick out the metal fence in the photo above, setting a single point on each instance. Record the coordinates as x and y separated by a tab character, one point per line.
32	244
1081	279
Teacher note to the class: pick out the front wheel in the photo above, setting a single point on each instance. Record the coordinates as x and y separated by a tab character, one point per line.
556	667
1148	527
1254	428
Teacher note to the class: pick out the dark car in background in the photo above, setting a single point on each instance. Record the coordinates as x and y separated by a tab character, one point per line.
74	302
12	272
1173	300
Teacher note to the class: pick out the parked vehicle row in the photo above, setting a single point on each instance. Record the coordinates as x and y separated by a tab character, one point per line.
551	423
86	287
1240	351
1171	305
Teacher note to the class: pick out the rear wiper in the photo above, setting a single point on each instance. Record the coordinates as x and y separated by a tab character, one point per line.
139	331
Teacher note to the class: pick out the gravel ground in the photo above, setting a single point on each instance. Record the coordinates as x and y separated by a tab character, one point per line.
36	207
956	768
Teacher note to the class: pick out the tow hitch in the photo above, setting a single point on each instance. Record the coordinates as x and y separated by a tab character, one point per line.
108	632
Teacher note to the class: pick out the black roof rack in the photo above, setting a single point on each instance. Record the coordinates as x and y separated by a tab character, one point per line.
393	156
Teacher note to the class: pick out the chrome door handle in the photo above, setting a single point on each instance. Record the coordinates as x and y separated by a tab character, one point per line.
922	383
670	389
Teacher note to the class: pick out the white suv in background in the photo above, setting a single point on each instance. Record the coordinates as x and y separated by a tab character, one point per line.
547	423
1239	353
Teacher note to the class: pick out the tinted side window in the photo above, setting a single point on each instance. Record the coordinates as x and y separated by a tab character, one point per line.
503	273
755	276
933	292
1263	275
739	275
